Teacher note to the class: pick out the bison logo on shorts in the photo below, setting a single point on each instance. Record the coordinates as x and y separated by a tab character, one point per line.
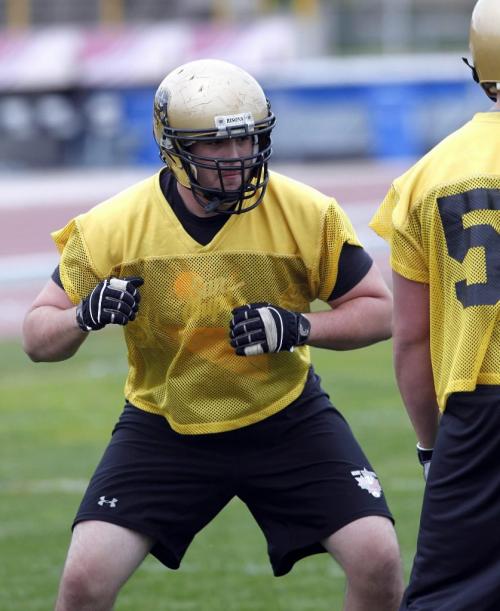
367	480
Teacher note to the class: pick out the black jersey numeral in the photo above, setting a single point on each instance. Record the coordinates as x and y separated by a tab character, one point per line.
460	240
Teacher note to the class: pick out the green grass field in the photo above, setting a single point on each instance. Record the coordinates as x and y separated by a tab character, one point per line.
55	422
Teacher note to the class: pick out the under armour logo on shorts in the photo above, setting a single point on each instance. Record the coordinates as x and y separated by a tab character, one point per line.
103	501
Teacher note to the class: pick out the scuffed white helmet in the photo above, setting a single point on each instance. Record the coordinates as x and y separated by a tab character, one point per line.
209	100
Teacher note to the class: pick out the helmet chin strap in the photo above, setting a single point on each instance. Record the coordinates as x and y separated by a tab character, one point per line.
211	206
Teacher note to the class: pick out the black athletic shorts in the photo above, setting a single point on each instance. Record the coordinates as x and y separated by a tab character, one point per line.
301	473
457	564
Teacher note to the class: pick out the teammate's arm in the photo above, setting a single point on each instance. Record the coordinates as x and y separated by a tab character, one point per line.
360	317
50	329
412	360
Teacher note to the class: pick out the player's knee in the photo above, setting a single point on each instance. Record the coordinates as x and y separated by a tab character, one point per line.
379	573
82	590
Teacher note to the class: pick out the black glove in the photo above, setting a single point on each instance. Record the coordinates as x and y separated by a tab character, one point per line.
113	301
261	327
424	458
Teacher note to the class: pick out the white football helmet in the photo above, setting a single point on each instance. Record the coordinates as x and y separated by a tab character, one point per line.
206	100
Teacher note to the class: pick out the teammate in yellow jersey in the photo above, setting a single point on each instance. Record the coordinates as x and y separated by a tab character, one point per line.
442	219
211	266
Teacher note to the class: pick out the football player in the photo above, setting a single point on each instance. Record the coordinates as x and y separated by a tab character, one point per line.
211	266
442	218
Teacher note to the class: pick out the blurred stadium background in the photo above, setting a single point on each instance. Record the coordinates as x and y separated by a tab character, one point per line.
360	88
348	78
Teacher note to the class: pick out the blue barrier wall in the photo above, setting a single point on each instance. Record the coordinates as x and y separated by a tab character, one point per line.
379	121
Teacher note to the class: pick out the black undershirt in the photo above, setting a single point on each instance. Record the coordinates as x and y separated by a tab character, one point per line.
354	261
201	229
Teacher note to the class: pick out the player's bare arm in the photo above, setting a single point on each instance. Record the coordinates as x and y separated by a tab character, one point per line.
50	329
360	317
412	357
54	329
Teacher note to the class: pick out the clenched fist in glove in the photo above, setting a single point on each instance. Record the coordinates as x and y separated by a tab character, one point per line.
256	328
113	301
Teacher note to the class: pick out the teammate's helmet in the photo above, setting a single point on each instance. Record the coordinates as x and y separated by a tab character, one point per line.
206	100
485	45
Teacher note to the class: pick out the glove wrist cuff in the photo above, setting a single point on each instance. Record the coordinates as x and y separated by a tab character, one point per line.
303	330
79	318
424	454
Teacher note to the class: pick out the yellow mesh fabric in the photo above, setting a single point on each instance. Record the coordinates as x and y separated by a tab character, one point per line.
188	329
337	229
180	362
73	257
442	219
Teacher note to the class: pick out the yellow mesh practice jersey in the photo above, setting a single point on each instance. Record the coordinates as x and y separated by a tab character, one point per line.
181	364
442	220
